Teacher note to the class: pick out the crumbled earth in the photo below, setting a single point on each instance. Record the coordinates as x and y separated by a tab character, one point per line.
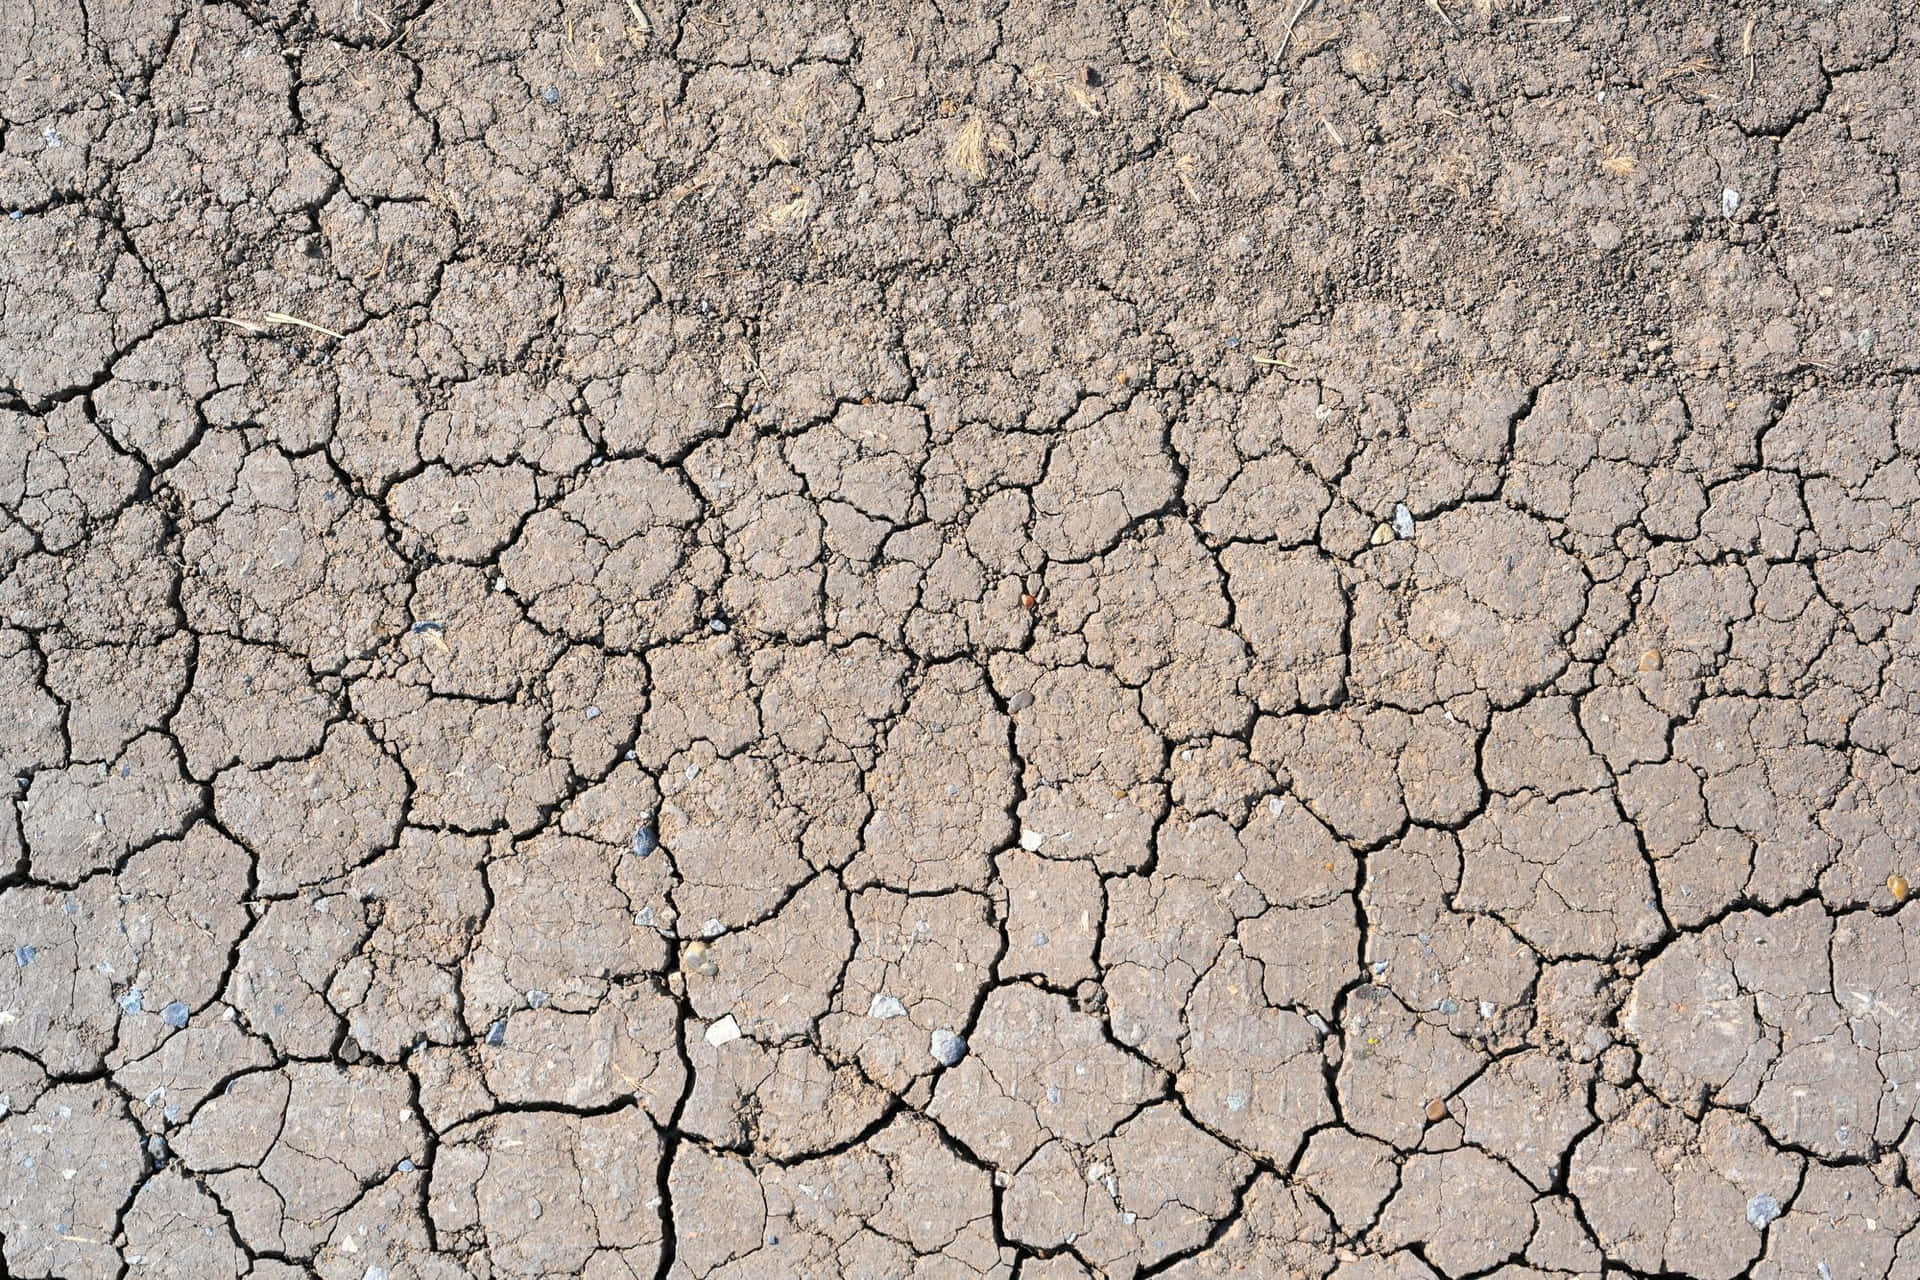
645	639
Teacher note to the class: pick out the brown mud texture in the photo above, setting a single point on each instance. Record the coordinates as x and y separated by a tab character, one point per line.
644	639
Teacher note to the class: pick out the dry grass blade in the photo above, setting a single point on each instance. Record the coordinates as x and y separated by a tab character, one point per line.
267	319
1293	20
968	150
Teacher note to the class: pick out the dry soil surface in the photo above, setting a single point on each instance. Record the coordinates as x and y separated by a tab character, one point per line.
967	640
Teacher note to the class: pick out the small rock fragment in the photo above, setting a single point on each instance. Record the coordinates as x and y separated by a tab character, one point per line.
1897	886
1436	1111
946	1047
176	1014
884	1007
1402	520
696	957
1382	535
725	1031
497	1033
645	841
1761	1210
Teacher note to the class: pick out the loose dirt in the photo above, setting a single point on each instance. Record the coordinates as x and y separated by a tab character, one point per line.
642	638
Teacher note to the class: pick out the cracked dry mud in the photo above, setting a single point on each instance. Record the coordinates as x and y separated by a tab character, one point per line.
1047	640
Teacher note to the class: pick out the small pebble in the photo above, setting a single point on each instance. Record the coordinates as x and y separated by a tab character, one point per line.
1402	520
1761	1210
406	1166
25	955
717	625
1020	701
725	1031
157	1148
175	1015
1897	886
550	95
497	1033
1436	1111
593	713
884	1007
1650	660
419	628
538	999
1382	535
947	1048
695	957
131	1000
645	841
1729	202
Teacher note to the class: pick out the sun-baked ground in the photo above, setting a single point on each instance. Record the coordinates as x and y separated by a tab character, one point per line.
644	639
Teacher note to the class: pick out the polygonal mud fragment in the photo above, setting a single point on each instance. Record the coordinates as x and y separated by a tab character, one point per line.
1254	1072
560	924
1351	1175
175	1228
1150	1191
123	960
425	901
919	965
775	979
1054	916
167	1085
626	1047
612	563
115	694
787	1102
1109	468
86	818
1527	1110
1661	1197
1463	970
1466	1209
1394	1065
1292	611
72	297
1036	1069
295	560
541	1191
314	819
73	1161
941	789
469	640
1468	620
1844	1220
287	1152
1279	1231
249	704
1153	611
1566	875
734	839
286	965
1089	794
